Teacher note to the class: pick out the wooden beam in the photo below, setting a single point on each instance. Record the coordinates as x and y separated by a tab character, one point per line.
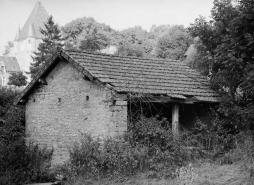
43	81
175	119
158	99
23	101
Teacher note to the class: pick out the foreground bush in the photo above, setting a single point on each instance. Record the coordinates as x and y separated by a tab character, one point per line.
243	149
152	148
19	163
215	139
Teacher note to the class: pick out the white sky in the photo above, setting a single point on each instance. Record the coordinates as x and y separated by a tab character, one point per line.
119	14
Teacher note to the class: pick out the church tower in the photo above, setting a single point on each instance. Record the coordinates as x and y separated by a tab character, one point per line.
28	38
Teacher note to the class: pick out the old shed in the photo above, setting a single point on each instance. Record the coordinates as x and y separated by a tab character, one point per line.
79	92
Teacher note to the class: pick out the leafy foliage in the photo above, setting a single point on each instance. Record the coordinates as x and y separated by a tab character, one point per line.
94	42
87	34
135	42
173	43
51	41
148	147
17	79
19	163
152	132
134	50
228	49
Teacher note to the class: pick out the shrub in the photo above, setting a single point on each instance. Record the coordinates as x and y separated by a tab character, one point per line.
94	158
150	146
243	148
85	157
151	132
19	163
215	139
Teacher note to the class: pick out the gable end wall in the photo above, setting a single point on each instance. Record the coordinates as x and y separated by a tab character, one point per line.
58	113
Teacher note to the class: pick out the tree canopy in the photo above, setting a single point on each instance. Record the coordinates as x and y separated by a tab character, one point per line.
227	45
173	43
135	42
87	34
17	79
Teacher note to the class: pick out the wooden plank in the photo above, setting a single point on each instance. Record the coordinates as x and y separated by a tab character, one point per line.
175	119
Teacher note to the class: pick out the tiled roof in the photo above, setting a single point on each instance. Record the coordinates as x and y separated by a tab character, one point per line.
151	76
36	19
138	75
10	63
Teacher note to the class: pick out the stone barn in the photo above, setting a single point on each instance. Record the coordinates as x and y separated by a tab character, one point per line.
79	92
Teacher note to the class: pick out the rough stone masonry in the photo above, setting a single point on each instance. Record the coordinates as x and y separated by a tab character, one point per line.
57	114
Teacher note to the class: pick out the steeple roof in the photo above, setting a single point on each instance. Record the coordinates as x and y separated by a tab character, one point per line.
36	20
17	35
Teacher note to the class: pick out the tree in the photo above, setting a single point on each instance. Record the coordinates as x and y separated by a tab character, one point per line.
158	31
17	79
51	41
130	50
8	47
135	42
94	42
228	43
173	43
84	32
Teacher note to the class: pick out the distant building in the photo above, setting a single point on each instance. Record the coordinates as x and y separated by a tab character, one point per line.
29	37
8	65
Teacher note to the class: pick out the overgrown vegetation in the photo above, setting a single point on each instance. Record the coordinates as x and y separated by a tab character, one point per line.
95	159
19	163
17	79
224	54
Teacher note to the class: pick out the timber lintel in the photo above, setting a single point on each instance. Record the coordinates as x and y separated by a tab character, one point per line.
166	99
43	81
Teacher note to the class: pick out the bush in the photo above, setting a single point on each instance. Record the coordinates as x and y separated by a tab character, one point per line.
215	139
151	132
19	163
243	148
94	159
148	147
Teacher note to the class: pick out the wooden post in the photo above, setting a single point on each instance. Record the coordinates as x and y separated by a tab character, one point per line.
175	119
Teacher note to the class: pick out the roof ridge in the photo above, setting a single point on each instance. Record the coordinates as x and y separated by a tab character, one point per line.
119	56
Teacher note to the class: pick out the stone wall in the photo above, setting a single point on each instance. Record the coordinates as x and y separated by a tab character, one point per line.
58	113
